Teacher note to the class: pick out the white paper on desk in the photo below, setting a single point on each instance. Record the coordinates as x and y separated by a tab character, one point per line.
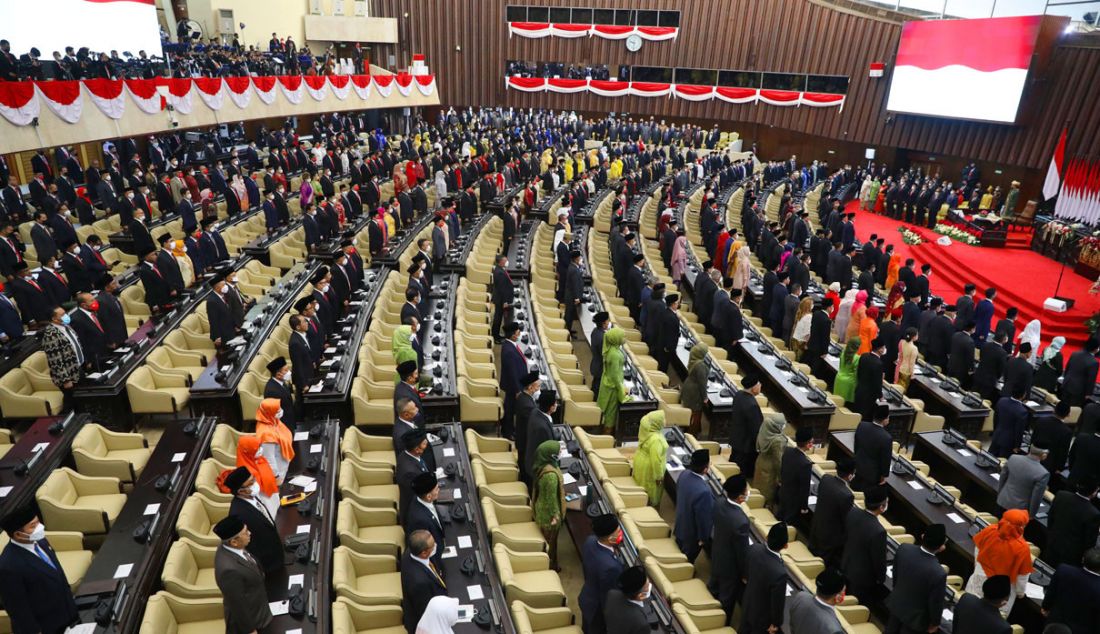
954	517
326	364
995	476
316	448
4	491
790	591
457	494
295	580
40	447
1035	591
296	630
439	474
811	500
964	453
914	484
465	613
81	628
151	509
311	487
278	608
123	571
1032	404
475	592
330	375
316	388
464	541
448	452
449	552
330	349
890	571
301	480
303	529
301	435
567	478
178	457
948	615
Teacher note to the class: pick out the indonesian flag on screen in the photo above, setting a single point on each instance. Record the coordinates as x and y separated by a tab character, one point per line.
969	69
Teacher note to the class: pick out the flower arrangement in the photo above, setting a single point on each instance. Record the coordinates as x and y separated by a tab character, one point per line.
909	237
957	233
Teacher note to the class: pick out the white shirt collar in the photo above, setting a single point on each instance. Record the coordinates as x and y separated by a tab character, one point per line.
30	547
236	551
426	562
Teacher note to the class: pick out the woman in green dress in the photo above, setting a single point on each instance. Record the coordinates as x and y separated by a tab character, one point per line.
770	444
693	392
548	496
612	389
402	347
845	383
649	460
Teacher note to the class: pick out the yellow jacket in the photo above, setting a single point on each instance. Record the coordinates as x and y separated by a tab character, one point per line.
615	171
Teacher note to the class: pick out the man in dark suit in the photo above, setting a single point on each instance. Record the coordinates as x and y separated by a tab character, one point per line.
301	357
525	405
439	240
703	296
916	603
873	450
573	290
539	429
110	312
864	555
820	337
503	294
157	293
276	387
1073	524
407	389
420	578
794	479
765	583
1053	432
217	314
623	608
961	362
513	366
601	571
1019	372
1079	379
991	366
33	586
815	613
729	544
89	330
973	614
42	237
602	320
1073	596
632	290
258	512
920	282
240	578
416	458
869	379
422	514
1084	456
834	499
745	420
143	241
1010	419
694	506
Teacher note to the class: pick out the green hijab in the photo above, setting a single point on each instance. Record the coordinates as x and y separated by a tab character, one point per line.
402	346
697	354
651	428
546	462
613	338
848	355
649	460
771	433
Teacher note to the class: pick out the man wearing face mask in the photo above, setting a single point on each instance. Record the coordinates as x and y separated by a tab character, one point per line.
415	458
601	571
729	544
33	586
64	354
186	210
624	608
110	312
271	214
90	331
864	559
77	273
258	512
816	613
218	314
238	302
278	387
301	356
143	241
312	227
421	579
423	516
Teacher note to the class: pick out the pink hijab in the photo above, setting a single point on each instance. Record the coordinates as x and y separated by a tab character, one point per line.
861	301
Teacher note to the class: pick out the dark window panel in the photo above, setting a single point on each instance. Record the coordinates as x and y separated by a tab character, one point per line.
697	76
651	74
647	18
783	81
738	79
836	84
603	16
516	14
624	17
538	14
670	18
559	15
582	16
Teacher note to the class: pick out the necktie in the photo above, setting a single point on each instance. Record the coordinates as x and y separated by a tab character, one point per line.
435	571
95	320
34	284
156	270
43	556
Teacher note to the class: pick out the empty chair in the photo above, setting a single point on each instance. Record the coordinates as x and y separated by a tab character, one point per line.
80	503
499	483
179	363
702	621
189	570
165	612
99	451
366	579
479	401
678	583
349	617
197	519
367	450
513	526
5	441
527	577
369	530
155	393
25	396
529	620
369	486
493	451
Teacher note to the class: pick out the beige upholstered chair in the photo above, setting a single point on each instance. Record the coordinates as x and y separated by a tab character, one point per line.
349	617
366	579
197	519
155	393
99	451
527	577
167	613
369	530
189	570
25	396
529	620
80	503
69	548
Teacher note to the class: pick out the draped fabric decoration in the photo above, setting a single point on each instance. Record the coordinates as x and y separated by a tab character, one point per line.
21	102
1079	198
689	92
62	98
537	30
107	95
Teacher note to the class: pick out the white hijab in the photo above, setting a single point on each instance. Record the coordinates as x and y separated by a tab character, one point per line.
439	617
1031	334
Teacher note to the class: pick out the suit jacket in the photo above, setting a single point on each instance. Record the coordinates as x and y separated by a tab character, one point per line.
221	322
729	548
973	614
820	326
864	558
420	518
1048	431
794	484
765	594
962	356
61	357
1022	484
504	291
36	595
111	317
622	616
1010	418
1018	371
418	587
1079	377
868	382
601	575
991	366
301	362
140	234
276	389
694	511
919	583
873	450
513	365
266	545
408	467
244	597
524	407
1073	599
539	430
92	338
745	421
44	245
806	615
1072	527
834	499
1084	456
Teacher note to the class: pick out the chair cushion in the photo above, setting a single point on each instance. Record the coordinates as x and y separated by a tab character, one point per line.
75	563
383	535
693	593
521	532
381	587
110	503
377	494
201	627
137	457
645	515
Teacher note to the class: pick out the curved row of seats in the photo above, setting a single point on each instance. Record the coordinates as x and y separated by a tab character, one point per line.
480	400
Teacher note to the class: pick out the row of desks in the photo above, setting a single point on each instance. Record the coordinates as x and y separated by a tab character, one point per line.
441	400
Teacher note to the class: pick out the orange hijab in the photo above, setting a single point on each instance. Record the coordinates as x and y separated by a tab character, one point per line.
247	448
271	429
1002	549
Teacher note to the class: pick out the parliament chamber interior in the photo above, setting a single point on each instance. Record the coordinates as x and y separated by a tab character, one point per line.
420	317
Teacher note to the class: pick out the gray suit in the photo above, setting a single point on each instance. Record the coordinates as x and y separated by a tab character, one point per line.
1022	484
807	615
243	595
623	616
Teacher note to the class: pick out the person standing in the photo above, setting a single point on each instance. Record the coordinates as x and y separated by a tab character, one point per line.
693	391
834	499
729	544
504	294
795	470
1073	596
548	496
694	506
770	444
765	594
540	428
526	404
601	571
746	418
974	614
240	579
422	514
420	578
916	603
64	354
1010	419
869	379
652	455
278	387
1073	524
1001	550
33	585
1023	481
257	509
1079	379
612	391
624	608
873	450
844	385
602	320
816	613
409	464
513	366
864	558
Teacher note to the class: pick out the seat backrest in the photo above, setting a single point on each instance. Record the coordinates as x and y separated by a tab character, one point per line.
59	488
90	440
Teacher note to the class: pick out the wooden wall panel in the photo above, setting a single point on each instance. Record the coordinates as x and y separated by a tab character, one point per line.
796	36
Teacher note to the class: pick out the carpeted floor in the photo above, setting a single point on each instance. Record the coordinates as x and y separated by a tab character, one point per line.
1023	278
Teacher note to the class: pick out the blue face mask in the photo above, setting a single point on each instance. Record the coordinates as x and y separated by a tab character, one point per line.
65	319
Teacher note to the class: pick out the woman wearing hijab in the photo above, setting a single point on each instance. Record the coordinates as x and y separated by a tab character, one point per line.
1031	334
403	350
250	456
679	258
439	616
895	301
440	185
305	193
187	269
276	440
834	294
770	444
800	334
649	460
845	383
868	329
787	250
855	322
907	358
1051	365
742	270
612	387
693	391
861	301
1000	549
548	496
892	270
844	315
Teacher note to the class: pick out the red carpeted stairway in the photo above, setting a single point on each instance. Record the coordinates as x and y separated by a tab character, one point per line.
1018	239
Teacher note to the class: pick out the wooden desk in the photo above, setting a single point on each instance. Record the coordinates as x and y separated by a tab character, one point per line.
942	396
401	240
902	413
441	401
45	446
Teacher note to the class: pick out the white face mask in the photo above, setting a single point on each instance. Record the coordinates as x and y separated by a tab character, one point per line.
255	489
648	591
224	289
279	414
286	379
38	534
435	548
535	396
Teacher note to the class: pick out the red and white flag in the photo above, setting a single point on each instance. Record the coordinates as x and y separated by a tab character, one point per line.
1054	172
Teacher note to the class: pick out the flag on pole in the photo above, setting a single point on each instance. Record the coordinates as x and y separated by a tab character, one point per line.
1054	172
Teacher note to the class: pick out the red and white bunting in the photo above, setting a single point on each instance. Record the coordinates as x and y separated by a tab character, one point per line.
239	90
144	94
404	83
340	86
62	98
361	84
649	89
384	84
687	92
536	30
821	100
425	84
779	97
731	94
292	87
606	88
18	103
265	88
210	90
567	85
690	92
106	94
316	86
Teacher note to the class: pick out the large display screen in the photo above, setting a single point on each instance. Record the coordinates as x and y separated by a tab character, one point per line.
964	69
100	25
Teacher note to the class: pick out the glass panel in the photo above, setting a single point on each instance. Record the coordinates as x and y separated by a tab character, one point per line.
927	8
624	17
582	16
603	16
538	14
827	83
516	14
670	18
739	79
1004	8
697	76
624	73
647	18
1077	11
969	8
651	73
783	81
559	15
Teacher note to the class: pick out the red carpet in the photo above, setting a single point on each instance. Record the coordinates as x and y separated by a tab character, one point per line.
1022	277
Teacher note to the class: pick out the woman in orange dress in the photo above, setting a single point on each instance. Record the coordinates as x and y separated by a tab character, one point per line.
276	439
250	456
868	329
892	270
1000	549
880	202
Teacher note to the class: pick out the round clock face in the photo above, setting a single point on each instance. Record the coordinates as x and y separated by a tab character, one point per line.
633	43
